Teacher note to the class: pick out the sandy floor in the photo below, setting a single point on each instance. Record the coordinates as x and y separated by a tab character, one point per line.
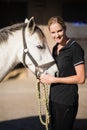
19	105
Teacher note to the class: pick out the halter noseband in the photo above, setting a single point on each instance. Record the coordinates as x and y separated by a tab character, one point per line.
39	69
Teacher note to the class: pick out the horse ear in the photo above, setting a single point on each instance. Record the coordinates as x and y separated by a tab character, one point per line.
31	25
26	20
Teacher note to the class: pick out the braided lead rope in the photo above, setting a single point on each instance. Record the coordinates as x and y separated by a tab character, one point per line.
45	101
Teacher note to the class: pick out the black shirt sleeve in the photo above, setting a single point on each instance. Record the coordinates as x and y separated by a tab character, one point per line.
77	54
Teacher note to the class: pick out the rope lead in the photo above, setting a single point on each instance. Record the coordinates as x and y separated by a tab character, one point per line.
45	101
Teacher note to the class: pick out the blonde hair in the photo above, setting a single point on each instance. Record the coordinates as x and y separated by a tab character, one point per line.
56	19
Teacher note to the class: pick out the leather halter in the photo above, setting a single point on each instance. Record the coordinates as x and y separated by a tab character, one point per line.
39	69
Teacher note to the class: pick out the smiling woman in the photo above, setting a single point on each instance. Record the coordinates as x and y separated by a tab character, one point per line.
69	57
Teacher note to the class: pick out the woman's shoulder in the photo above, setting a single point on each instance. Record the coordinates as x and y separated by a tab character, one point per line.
77	48
75	44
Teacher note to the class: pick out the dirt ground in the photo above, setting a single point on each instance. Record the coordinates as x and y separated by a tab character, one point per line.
19	104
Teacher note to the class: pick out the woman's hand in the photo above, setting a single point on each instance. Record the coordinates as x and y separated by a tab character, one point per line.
47	79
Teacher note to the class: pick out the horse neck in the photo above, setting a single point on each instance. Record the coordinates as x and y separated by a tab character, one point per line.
9	53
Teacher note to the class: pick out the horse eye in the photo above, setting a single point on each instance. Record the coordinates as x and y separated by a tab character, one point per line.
40	47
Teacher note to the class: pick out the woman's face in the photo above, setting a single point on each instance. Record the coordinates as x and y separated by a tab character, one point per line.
57	32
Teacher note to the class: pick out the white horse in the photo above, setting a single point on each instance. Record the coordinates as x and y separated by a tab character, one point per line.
25	43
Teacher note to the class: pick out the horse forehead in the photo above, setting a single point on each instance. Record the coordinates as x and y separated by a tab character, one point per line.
36	39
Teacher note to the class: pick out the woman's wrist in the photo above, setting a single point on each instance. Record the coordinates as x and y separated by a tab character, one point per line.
56	80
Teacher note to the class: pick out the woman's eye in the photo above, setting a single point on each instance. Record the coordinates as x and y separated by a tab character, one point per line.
40	47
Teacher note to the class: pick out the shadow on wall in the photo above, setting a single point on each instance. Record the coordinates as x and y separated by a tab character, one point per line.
33	123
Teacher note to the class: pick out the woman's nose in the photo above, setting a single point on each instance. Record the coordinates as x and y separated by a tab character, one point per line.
56	34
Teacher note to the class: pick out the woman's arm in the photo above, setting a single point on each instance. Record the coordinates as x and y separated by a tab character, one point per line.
79	78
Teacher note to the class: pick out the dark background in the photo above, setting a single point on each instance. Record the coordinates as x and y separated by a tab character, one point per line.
13	11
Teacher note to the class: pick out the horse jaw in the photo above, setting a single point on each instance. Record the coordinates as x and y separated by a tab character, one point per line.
41	61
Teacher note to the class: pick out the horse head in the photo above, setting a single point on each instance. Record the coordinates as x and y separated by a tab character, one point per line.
36	53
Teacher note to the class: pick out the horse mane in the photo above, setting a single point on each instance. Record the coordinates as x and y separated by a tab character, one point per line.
6	31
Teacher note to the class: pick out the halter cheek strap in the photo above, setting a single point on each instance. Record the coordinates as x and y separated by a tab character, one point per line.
26	51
